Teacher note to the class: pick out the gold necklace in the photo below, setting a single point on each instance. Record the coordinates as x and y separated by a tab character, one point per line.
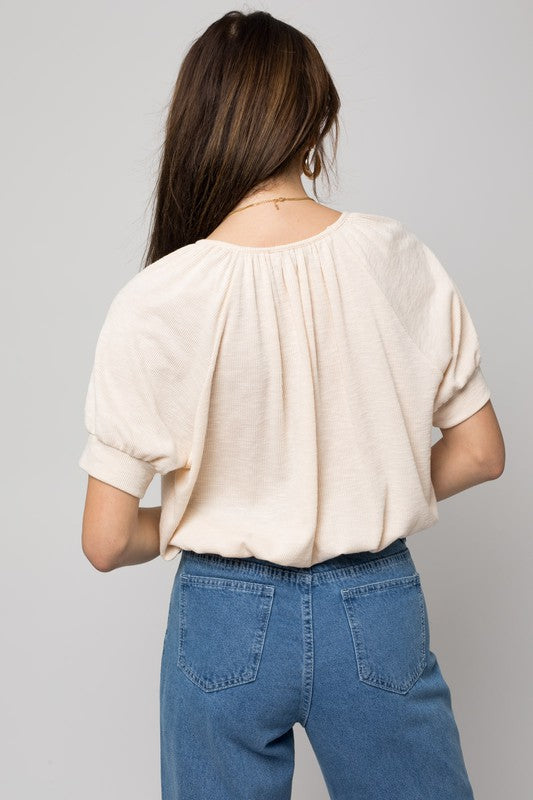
275	200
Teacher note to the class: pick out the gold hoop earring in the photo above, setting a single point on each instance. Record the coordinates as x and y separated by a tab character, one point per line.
306	166
311	172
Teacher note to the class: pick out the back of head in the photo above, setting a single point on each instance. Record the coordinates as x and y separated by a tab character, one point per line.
252	98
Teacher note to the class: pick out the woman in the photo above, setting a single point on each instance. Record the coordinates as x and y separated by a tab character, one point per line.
281	365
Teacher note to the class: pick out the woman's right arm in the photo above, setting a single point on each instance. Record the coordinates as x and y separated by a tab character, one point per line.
469	453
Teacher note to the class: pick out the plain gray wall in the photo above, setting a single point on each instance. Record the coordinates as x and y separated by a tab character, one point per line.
436	131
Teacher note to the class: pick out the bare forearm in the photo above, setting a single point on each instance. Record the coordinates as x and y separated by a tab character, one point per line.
143	541
454	469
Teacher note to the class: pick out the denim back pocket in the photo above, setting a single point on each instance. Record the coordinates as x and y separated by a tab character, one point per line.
388	625
221	629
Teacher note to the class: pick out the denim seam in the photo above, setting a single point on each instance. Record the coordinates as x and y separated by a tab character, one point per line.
232	584
308	654
381	586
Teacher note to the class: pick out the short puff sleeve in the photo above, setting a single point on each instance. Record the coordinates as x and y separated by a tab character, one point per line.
129	407
455	348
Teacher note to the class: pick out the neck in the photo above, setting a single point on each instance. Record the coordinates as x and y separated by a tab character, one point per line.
287	185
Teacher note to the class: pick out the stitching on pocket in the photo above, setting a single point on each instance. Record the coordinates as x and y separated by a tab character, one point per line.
371	665
246	662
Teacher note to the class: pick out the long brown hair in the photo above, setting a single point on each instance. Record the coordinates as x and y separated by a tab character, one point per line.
252	97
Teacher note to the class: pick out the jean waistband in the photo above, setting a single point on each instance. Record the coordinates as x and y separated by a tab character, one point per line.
257	565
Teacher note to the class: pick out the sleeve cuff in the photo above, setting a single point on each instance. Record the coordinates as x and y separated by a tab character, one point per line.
113	466
464	403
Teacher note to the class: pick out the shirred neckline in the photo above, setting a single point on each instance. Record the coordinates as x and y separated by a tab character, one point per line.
277	247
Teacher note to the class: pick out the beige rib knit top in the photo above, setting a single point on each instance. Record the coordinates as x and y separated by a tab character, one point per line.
285	394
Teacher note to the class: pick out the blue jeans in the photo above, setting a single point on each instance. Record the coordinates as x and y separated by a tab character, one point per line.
342	647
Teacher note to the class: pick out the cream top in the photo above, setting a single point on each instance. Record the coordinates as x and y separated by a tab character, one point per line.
285	394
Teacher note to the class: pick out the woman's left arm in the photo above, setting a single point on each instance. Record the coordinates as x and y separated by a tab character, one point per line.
115	531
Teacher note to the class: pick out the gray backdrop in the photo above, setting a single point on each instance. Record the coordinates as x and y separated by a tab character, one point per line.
436	131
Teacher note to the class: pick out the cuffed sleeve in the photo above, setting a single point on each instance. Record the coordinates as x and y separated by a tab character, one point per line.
463	389
131	415
113	466
464	402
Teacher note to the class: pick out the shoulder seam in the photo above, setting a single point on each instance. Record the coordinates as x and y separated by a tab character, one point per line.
390	305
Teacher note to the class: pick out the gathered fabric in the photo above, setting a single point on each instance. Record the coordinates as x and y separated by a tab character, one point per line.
286	395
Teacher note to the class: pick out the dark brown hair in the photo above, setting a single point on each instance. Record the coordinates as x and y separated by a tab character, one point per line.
251	99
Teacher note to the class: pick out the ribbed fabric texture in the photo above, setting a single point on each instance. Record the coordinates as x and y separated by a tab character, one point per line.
285	394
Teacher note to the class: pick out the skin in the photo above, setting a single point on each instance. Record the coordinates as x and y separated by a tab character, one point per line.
117	533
